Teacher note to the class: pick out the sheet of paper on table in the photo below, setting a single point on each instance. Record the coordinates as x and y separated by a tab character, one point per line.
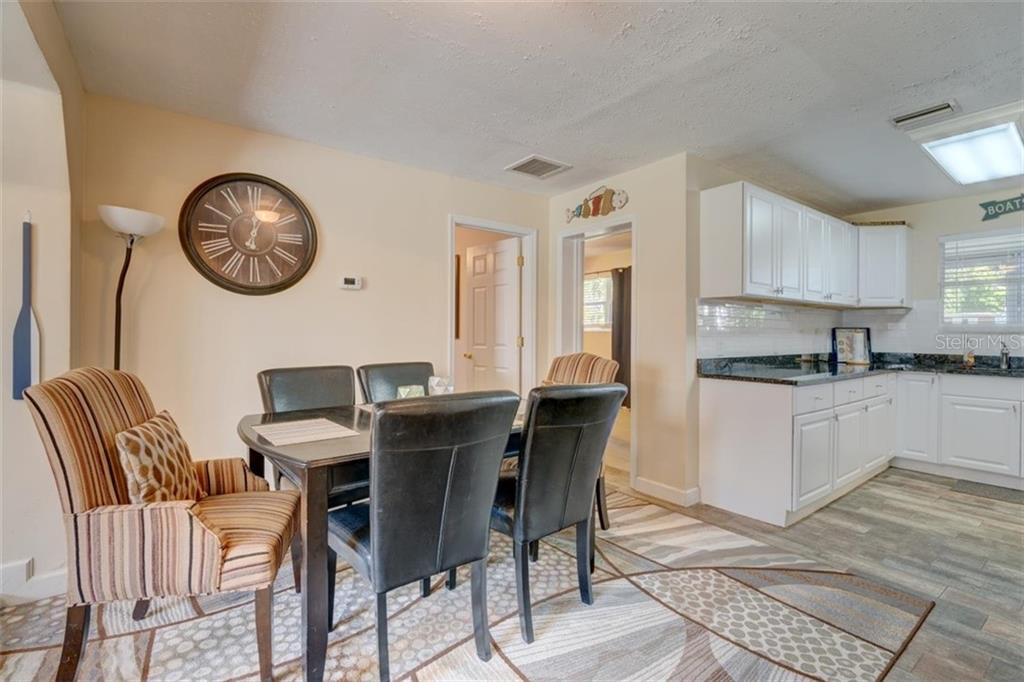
303	431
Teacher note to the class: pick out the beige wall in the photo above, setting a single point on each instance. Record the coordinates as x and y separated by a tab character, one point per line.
49	34
932	220
35	178
657	206
600	342
198	347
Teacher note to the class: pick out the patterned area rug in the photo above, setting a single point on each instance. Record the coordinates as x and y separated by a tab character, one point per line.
674	599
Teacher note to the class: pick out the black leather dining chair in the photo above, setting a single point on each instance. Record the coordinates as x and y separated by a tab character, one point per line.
564	435
286	389
433	472
381	382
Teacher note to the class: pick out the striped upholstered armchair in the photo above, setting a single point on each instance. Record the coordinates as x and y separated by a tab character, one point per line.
232	539
585	368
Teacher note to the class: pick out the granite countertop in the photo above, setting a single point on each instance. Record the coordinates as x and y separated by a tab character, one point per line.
795	370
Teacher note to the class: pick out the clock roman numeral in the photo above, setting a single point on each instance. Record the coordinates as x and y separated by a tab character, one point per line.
272	266
286	219
292	260
219	212
212	227
233	265
276	204
230	196
255	197
217	247
254	270
290	238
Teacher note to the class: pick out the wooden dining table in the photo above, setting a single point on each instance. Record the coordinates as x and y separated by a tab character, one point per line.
310	464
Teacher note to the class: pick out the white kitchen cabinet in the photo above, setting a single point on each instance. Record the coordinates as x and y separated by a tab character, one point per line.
812	457
789	233
849	443
816	257
842	270
772	248
883	266
918	409
759	244
879	434
777	452
981	433
756	244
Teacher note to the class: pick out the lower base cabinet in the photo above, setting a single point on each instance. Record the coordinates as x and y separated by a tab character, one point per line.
917	395
849	443
981	433
834	447
879	431
812	456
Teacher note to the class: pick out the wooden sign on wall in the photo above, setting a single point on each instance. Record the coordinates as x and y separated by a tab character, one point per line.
994	209
600	202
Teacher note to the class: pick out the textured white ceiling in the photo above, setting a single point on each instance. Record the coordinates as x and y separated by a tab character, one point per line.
794	95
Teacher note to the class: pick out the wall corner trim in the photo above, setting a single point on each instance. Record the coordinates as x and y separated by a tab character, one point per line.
19	582
683	497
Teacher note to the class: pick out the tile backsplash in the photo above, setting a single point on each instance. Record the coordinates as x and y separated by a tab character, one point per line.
735	328
731	329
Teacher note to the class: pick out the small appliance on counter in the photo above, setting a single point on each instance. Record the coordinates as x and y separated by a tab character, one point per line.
851	345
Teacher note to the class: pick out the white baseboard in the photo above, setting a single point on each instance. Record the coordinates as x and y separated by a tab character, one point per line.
20	583
989	478
684	498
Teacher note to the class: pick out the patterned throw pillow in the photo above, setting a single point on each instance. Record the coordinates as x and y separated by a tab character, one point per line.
157	463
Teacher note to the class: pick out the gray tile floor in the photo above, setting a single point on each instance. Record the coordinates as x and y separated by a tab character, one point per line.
914	531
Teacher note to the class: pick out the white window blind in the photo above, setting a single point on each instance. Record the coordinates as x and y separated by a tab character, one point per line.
597	301
983	280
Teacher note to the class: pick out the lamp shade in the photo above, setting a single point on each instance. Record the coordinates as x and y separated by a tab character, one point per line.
131	221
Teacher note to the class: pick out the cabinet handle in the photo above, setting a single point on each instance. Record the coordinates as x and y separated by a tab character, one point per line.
818	397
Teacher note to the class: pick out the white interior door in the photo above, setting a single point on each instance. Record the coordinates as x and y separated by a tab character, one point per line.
493	312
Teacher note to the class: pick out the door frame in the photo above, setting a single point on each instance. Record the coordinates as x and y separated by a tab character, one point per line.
527	294
569	302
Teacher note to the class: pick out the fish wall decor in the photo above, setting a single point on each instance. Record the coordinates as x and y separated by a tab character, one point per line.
600	202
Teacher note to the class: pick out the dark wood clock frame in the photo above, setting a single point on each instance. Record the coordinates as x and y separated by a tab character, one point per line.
184	236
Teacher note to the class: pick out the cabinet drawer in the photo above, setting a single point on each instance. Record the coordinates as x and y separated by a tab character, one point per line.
812	398
998	388
849	391
876	385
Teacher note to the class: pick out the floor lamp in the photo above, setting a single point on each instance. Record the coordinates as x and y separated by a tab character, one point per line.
131	225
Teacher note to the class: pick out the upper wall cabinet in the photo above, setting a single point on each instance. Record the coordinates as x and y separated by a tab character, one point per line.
883	266
759	245
772	257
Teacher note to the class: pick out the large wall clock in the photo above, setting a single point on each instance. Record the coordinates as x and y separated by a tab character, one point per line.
247	233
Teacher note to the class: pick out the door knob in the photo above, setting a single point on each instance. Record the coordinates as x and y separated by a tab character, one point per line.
468	356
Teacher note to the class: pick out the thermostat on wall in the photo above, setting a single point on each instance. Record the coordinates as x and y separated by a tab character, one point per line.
351	282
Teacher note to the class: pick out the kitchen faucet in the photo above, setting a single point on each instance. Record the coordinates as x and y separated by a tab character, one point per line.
1004	356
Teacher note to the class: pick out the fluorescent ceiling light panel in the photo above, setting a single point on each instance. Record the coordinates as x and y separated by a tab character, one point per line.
980	155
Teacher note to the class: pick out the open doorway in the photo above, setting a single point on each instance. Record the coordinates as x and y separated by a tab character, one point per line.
493	322
606	322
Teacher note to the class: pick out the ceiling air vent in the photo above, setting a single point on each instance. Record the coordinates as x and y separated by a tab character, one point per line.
928	115
538	166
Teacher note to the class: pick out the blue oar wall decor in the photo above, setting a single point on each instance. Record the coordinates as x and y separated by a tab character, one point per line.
26	329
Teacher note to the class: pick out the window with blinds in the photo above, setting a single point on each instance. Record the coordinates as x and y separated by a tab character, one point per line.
983	280
597	302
